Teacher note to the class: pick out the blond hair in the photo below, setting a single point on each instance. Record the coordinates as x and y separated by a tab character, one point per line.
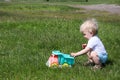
90	25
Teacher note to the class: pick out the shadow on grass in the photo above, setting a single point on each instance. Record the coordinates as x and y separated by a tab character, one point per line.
2	13
109	62
81	63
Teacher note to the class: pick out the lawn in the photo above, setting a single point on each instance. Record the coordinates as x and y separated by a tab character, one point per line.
29	32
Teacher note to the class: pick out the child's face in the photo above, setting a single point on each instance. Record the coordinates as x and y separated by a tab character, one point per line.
87	34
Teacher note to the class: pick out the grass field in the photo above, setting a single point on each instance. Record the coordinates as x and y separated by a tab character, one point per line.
30	31
68	1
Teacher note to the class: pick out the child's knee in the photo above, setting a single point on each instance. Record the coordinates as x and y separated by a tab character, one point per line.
94	54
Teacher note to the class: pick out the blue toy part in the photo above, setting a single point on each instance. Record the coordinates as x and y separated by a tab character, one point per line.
64	58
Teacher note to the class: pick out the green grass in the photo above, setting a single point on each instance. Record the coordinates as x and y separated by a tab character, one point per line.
66	1
29	33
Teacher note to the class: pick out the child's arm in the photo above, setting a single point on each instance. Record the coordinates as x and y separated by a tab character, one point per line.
81	52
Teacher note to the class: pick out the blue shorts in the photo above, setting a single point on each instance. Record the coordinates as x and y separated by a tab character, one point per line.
103	57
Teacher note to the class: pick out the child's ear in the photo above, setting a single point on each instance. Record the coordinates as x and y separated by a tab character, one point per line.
91	33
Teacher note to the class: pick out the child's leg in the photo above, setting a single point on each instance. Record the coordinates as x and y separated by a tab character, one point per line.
90	61
89	56
96	60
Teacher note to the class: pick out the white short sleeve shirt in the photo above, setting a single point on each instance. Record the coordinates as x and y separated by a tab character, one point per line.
96	45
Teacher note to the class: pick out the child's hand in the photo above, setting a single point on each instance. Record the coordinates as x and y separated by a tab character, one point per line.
84	45
73	54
